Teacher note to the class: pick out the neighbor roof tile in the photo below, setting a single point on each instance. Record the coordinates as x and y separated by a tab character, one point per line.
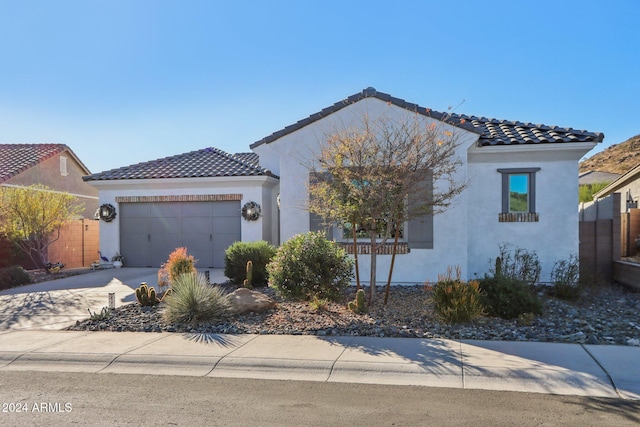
16	158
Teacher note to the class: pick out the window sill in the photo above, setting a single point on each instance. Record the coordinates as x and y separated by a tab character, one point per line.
518	217
381	249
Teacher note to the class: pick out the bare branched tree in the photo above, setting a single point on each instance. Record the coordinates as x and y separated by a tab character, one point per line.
367	177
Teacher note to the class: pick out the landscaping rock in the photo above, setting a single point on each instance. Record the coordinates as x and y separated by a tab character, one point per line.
409	314
244	300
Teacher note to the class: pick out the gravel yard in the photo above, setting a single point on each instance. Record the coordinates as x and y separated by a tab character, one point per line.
603	315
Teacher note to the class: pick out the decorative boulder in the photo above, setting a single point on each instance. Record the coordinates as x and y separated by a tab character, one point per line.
244	300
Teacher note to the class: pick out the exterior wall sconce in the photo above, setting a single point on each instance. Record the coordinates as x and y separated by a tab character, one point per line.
107	212
251	211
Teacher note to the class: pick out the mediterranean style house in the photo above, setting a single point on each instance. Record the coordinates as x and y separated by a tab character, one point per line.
207	199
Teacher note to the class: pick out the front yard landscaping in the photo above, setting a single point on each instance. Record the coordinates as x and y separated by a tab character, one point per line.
602	315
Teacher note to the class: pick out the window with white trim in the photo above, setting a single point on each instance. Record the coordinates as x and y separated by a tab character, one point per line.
63	166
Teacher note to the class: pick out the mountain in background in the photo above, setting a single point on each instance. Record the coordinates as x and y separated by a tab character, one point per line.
618	158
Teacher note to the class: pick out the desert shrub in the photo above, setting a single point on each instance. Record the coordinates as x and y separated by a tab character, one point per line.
521	264
565	277
179	263
193	302
309	265
507	297
237	255
101	315
13	276
456	301
318	304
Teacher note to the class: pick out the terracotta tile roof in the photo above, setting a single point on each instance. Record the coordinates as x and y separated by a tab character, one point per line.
205	163
491	131
17	158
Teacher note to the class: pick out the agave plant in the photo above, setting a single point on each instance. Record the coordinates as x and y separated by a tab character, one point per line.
193	302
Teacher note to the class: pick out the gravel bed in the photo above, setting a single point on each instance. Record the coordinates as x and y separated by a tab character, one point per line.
605	315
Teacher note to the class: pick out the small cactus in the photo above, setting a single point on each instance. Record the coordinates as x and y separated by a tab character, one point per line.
498	266
248	281
358	305
146	295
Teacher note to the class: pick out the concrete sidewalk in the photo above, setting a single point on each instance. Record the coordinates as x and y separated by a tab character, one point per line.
565	369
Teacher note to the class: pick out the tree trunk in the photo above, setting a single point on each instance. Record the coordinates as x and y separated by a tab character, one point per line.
355	254
374	252
393	260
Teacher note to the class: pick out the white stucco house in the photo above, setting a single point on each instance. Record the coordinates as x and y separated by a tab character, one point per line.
207	199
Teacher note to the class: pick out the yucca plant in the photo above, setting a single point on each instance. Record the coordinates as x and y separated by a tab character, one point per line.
193	302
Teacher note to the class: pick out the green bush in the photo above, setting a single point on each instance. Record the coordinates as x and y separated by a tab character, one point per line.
456	301
309	265
13	276
236	256
508	298
565	276
193	302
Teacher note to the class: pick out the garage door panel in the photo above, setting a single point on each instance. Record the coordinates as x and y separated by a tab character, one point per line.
198	225
134	226
226	209
136	252
134	210
197	209
166	209
227	225
151	231
166	225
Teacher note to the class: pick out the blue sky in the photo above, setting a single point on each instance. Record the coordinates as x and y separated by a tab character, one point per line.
125	81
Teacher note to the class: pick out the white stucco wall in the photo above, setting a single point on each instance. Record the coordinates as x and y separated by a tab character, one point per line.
256	189
469	233
290	157
555	236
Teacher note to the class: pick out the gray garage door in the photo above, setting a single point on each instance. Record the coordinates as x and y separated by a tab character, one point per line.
149	232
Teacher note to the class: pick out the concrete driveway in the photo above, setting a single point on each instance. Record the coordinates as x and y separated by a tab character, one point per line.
59	303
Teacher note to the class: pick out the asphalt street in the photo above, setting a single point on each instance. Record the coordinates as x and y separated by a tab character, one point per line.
57	398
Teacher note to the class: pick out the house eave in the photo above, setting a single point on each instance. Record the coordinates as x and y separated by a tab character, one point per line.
564	151
128	183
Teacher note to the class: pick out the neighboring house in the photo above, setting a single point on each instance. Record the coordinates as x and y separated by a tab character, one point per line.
157	200
57	167
596	177
628	186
